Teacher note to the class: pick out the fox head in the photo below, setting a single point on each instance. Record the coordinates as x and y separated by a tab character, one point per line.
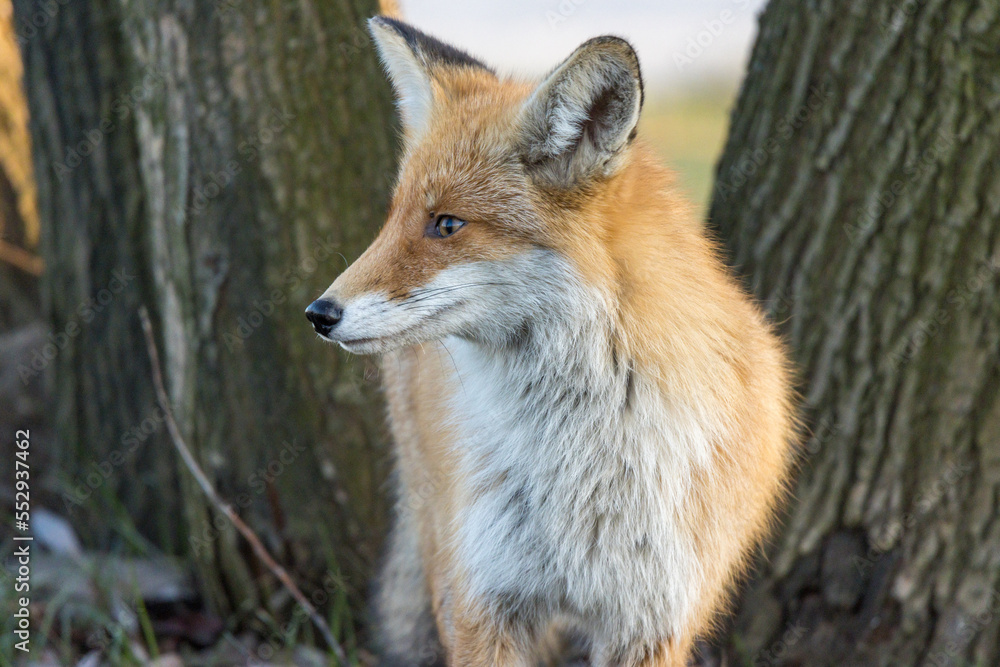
500	204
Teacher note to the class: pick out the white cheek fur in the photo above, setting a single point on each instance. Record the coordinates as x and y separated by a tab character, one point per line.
487	301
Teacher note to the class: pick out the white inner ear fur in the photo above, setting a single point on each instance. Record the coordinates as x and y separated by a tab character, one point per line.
597	88
410	80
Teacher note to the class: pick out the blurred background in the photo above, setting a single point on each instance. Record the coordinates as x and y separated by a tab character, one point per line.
216	162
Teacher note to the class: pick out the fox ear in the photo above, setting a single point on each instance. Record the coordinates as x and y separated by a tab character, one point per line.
580	119
411	59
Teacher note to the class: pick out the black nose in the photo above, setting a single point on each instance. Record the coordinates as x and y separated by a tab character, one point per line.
324	315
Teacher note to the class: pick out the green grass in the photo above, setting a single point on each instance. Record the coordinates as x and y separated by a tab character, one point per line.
688	131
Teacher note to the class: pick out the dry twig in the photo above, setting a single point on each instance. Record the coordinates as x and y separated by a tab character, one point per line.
224	507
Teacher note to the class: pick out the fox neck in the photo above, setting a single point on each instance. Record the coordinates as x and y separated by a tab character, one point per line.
561	443
568	345
572	382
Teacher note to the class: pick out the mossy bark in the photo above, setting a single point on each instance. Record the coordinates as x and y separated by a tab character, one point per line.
213	161
859	194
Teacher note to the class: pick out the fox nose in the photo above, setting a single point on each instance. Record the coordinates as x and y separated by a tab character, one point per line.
324	315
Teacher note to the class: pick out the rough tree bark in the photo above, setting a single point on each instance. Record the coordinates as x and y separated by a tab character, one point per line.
859	193
213	161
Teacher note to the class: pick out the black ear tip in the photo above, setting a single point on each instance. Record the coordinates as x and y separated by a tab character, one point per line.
430	50
384	22
376	23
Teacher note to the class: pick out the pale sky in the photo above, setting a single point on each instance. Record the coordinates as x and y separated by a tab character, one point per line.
680	42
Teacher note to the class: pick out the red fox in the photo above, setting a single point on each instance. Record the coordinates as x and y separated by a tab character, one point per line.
593	423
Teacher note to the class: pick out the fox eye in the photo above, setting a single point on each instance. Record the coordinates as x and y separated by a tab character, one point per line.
446	225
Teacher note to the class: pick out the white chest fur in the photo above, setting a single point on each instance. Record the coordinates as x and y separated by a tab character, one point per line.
576	468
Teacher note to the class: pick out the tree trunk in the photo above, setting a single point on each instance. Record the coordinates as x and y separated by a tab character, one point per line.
212	161
19	263
859	193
